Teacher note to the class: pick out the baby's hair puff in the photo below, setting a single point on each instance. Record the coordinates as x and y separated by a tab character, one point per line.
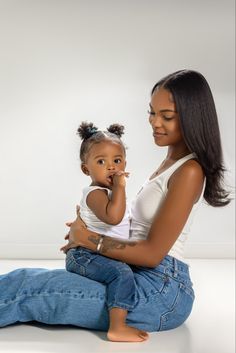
116	129
90	135
86	130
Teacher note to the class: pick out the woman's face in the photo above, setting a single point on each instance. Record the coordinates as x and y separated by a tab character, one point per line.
164	119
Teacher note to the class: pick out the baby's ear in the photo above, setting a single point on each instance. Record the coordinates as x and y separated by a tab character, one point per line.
84	169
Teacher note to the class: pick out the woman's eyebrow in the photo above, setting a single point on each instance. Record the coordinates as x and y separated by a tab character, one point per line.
164	110
168	110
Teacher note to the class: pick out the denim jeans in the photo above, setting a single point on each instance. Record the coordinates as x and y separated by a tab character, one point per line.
164	297
118	276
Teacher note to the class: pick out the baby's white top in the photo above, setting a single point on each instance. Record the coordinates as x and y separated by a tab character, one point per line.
147	202
93	223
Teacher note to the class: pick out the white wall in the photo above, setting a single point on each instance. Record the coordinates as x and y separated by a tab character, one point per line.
64	61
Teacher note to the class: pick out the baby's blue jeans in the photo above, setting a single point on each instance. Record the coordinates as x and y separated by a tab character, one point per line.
164	297
118	276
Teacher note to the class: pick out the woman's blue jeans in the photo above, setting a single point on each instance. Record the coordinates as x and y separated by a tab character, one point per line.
118	276
164	297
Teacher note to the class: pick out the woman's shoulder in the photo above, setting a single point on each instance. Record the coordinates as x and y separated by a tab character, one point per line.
189	172
191	168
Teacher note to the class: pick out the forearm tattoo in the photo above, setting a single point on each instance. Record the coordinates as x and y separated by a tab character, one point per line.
110	243
94	239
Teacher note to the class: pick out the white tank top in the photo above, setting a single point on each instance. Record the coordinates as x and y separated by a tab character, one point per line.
93	223
149	199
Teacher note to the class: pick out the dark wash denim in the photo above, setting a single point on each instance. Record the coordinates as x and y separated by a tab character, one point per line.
164	297
118	276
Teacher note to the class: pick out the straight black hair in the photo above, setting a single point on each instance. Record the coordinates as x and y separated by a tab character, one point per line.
200	129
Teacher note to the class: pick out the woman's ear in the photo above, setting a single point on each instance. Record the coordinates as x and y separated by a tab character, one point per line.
84	169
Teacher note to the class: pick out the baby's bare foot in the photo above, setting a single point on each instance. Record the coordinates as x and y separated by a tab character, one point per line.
126	334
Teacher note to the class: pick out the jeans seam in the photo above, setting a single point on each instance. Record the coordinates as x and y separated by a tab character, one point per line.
171	309
120	305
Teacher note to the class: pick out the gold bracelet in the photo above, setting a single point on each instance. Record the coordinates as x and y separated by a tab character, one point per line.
100	243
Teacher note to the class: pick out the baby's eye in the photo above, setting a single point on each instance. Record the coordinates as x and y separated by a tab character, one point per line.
150	112
117	160
100	161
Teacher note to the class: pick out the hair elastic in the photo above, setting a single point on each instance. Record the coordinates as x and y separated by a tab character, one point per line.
93	130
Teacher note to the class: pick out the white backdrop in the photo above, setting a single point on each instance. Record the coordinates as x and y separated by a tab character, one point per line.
64	61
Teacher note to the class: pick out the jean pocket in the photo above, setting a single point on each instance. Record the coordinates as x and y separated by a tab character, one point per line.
76	263
180	308
81	261
188	290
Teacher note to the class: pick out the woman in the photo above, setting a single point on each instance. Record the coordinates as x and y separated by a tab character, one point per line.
183	117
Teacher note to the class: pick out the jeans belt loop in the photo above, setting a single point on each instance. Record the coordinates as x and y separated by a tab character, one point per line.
175	265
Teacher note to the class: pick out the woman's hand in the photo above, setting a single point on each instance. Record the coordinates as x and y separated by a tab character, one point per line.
75	234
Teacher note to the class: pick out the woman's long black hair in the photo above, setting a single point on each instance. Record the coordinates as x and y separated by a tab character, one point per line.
199	124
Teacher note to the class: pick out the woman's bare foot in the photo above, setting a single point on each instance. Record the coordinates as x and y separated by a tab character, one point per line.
126	333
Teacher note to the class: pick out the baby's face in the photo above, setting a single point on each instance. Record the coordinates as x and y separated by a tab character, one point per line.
103	161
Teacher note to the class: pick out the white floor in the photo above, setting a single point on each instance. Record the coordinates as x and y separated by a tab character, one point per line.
210	328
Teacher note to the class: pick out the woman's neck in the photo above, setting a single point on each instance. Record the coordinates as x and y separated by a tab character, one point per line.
175	154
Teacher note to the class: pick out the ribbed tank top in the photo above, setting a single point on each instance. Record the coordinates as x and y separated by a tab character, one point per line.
149	199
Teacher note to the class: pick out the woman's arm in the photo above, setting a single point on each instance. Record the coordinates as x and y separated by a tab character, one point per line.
184	189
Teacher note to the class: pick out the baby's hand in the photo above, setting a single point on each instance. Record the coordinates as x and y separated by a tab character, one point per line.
119	178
